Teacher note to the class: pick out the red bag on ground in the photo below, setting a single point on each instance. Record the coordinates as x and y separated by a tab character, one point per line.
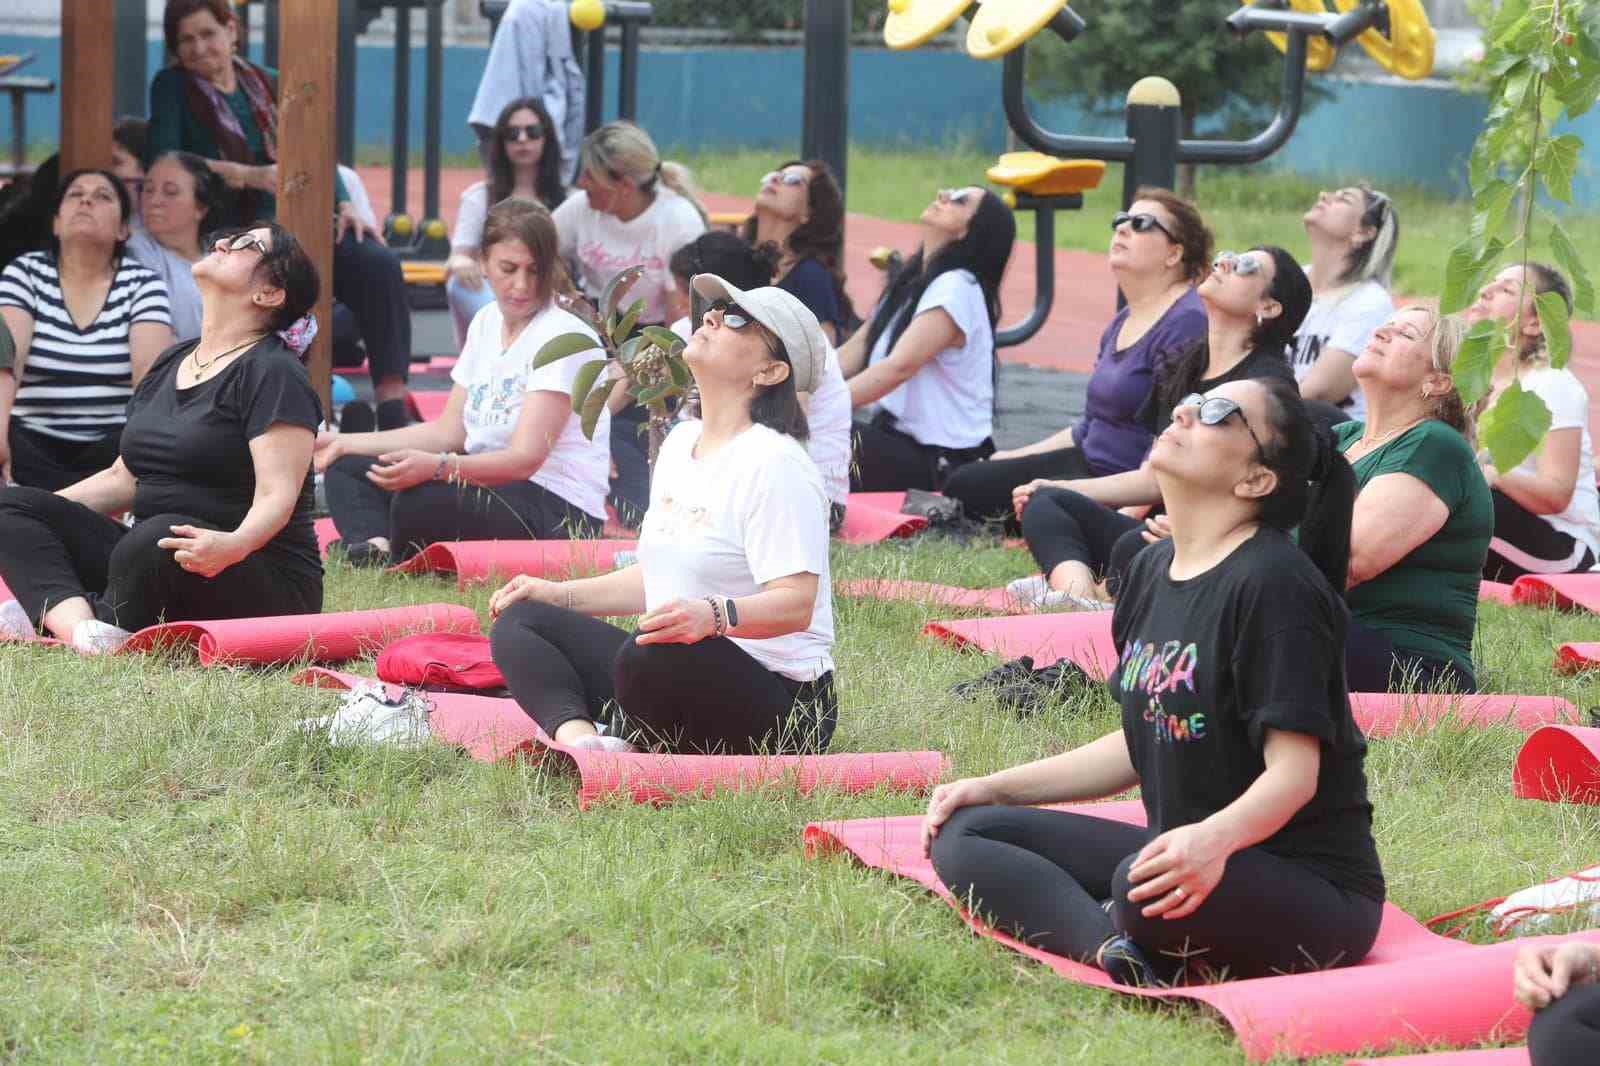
441	660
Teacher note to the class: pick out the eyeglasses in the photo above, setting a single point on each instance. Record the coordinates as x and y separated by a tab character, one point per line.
1141	223
787	177
1232	262
534	132
738	319
1214	410
956	196
240	242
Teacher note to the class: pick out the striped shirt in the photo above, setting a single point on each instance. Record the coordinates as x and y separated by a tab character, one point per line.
76	382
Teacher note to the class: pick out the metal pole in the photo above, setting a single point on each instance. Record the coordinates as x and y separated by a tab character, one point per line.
1044	271
825	121
594	100
131	76
628	72
270	32
435	106
401	135
1155	121
345	92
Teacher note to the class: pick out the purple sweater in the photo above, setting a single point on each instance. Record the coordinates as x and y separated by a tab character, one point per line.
1111	435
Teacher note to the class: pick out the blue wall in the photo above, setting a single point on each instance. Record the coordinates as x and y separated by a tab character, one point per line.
734	96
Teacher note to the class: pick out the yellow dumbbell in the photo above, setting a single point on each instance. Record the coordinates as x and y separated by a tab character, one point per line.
1001	25
1319	53
914	22
1408	49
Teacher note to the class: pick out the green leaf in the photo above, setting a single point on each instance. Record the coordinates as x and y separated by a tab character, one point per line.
1490	205
1553	319
616	289
1462	271
1558	163
584	382
657	393
621	330
1566	254
1474	363
561	347
1514	426
679	371
664	338
629	348
593	404
1506	18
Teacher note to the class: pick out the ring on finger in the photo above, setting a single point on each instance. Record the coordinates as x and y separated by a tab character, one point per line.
1179	892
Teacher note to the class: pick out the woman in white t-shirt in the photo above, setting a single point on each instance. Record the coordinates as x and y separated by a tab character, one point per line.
508	459
924	362
733	651
1353	231
524	159
1546	510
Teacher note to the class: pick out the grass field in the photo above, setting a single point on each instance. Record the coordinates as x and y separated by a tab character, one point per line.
187	878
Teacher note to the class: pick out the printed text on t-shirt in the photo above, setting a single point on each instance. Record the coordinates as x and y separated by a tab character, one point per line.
1156	672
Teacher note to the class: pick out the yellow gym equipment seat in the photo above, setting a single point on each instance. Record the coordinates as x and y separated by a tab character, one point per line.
1037	174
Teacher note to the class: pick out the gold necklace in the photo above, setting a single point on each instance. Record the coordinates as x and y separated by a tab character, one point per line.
1373	442
201	368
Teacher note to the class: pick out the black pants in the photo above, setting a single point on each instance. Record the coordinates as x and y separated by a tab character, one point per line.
1525	543
1567	1032
984	488
709	697
51	463
52	550
630	454
1042	877
367	279
887	460
1062	526
1373	664
444	511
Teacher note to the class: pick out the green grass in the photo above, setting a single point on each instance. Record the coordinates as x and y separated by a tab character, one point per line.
187	878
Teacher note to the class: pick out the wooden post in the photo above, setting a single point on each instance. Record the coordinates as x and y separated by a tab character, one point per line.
88	63
307	81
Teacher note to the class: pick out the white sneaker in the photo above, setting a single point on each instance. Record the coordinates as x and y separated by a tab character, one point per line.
367	714
1035	593
600	742
14	623
94	637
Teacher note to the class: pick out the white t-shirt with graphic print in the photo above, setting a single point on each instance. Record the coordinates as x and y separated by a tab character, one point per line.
1344	321
603	245
728	524
1563	393
949	401
498	379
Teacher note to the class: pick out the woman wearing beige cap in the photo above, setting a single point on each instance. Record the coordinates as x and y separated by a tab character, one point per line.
733	651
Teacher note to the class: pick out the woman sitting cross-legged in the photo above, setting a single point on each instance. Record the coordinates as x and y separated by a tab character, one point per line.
1561	983
1546	510
1254	302
733	648
508	459
215	467
1236	725
1423	516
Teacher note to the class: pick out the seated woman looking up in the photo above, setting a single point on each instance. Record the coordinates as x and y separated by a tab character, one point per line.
1253	302
508	459
524	160
733	648
88	321
179	192
800	210
1236	725
925	362
1423	516
1546	510
1354	232
215	466
1160	249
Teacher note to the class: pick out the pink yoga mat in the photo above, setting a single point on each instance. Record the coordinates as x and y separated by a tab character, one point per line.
487	560
426	406
1382	714
994	600
1577	656
1414	988
873	516
494	729
1084	637
1497	591
1559	764
327	533
1570	592
288	638
1504	1056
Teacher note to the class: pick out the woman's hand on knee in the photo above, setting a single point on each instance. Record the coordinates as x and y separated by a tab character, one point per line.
948	799
1543	973
404	469
1022	494
1176	871
524	587
207	552
678	622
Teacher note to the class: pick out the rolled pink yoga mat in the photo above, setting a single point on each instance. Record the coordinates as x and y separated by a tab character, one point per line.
873	516
1506	1056
1414	988
1559	764
323	638
995	600
1570	592
475	561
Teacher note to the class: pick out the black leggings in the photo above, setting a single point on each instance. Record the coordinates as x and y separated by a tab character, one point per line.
368	280
434	511
984	488
887	460
709	697
1567	1032
52	549
630	457
1062	526
1524	543
1042	876
1373	664
50	463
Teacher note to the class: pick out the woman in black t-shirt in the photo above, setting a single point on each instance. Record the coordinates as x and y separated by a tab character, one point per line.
1258	857
215	466
1254	301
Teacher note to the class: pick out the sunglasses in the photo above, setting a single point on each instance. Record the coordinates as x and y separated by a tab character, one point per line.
956	196
738	319
239	242
1235	263
534	132
1140	223
786	177
1214	410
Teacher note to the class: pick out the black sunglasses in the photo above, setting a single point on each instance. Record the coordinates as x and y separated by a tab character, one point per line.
1141	223
738	319
240	241
535	132
1214	410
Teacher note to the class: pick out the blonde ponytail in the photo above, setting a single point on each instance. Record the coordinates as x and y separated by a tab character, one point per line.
620	150
676	177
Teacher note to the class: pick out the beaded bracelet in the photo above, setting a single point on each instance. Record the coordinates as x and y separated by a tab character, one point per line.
719	623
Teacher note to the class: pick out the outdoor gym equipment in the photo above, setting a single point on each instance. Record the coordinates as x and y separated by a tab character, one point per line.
1054	176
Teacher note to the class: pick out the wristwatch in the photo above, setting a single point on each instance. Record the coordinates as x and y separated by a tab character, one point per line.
732	613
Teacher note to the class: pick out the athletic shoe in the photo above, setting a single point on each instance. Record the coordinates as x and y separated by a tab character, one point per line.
1004	674
1124	963
369	714
601	742
14	623
1035	593
1039	689
94	637
366	553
